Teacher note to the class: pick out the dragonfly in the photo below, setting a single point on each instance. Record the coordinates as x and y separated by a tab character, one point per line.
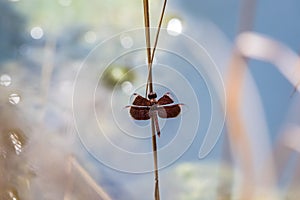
145	109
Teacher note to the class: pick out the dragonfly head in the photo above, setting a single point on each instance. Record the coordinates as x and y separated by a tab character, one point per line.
152	95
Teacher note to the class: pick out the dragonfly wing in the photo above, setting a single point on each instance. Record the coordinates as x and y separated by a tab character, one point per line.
139	113
140	108
169	111
166	99
141	101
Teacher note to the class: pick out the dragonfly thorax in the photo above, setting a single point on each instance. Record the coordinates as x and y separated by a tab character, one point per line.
153	109
152	95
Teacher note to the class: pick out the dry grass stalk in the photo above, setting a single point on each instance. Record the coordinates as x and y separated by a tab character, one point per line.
149	86
239	141
73	164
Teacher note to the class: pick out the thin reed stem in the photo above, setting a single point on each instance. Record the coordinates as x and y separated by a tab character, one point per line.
148	44
154	148
158	30
149	86
149	79
149	83
89	180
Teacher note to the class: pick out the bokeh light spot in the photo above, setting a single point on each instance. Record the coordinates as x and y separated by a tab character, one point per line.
37	33
16	142
127	87
117	73
126	42
5	80
90	37
174	27
14	99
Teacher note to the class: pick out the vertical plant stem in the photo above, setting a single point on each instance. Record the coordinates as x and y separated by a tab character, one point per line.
158	30
154	148
237	132
240	145
149	86
147	34
149	80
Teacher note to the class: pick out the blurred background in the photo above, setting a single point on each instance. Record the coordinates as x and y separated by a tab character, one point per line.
68	68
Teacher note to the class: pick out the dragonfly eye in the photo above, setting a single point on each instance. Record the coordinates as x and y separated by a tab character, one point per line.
152	95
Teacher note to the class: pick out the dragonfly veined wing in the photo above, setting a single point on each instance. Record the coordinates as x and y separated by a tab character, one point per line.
169	111
165	110
141	101
140	108
164	100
